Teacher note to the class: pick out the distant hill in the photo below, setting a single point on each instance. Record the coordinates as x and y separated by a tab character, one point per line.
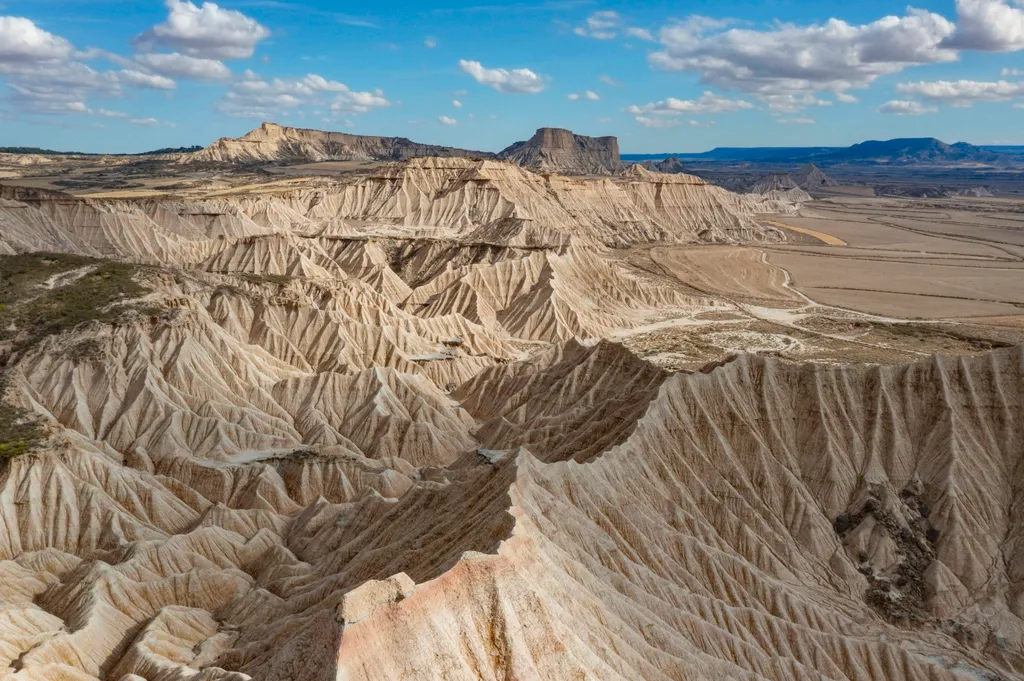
50	152
1004	148
41	152
913	150
668	165
171	150
753	154
921	150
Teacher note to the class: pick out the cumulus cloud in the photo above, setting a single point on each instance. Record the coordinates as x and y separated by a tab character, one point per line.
588	95
445	120
905	107
788	59
182	66
846	98
708	103
107	113
255	97
457	104
515	81
1012	73
206	31
43	76
139	79
988	26
795	121
22	41
963	93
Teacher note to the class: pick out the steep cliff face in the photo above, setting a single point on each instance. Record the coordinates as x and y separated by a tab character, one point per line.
561	151
272	142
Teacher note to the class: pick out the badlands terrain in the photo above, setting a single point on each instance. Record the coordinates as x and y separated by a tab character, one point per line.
432	418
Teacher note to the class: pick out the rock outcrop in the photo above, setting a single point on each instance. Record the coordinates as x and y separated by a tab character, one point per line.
471	200
275	143
555	150
667	165
779	187
811	177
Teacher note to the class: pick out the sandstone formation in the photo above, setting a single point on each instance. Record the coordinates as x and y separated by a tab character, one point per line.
781	187
811	177
373	429
667	165
275	143
554	150
471	200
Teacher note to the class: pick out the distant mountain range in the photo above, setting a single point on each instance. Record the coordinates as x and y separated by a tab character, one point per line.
50	152
905	151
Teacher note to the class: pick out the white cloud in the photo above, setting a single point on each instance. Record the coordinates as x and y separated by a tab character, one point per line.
641	33
608	80
445	120
150	81
1019	105
795	121
183	66
41	74
658	123
430	43
905	107
709	103
1012	73
988	26
608	25
602	25
106	113
254	97
588	95
572	97
148	122
789	103
515	81
846	98
963	93
208	31
21	40
457	104
834	56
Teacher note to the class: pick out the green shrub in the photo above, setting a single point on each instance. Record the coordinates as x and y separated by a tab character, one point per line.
32	312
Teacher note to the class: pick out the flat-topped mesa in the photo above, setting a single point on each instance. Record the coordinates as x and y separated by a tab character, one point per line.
561	151
271	142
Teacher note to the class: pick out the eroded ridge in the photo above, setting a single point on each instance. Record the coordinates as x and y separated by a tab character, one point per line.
376	431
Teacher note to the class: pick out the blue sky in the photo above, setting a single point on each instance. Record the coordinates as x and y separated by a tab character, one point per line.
131	75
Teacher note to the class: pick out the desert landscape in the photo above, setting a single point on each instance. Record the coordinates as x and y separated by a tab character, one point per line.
311	406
